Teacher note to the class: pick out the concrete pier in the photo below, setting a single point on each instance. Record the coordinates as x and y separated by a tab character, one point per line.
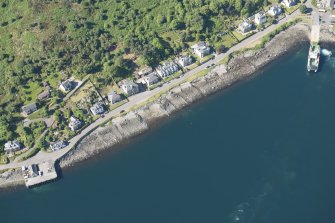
37	174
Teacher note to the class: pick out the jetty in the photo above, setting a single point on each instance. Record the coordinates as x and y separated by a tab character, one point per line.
37	174
315	33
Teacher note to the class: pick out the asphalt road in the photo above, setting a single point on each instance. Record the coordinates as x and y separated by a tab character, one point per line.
142	97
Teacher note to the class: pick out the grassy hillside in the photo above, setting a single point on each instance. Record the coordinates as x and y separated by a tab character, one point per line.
51	40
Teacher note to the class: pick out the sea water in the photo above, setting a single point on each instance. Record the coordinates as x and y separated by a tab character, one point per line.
262	151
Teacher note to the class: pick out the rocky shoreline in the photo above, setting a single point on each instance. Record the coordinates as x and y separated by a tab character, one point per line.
240	67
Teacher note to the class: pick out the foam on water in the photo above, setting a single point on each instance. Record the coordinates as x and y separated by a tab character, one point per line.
326	52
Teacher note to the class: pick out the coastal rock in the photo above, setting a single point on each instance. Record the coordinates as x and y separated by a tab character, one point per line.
174	97
103	138
11	178
239	67
153	111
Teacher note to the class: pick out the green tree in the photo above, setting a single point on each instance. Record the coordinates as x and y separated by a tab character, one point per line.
303	9
238	5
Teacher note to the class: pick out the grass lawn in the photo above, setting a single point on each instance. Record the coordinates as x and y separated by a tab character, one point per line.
173	76
155	85
171	36
107	89
207	58
228	40
53	80
31	91
37	114
197	75
225	60
192	66
292	9
82	92
238	35
3	159
30	153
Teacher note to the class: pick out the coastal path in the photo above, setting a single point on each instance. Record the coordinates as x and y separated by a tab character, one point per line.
142	97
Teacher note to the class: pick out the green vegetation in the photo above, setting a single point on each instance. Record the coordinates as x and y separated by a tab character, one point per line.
30	153
207	58
3	159
197	75
315	3
226	60
171	77
293	8
279	29
45	42
303	9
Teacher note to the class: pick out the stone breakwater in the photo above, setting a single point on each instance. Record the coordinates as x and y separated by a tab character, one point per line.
240	67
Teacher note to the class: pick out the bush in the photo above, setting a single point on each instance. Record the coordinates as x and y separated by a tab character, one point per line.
303	9
314	3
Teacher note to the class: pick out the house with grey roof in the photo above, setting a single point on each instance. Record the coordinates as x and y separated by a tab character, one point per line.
275	10
201	49
97	109
130	88
245	27
260	18
28	109
166	69
66	85
288	3
74	123
113	97
151	79
45	94
12	146
185	61
57	146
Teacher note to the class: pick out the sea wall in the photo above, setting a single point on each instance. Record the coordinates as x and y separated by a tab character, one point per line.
240	67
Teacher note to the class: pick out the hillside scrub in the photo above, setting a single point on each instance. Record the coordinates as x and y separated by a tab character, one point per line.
50	41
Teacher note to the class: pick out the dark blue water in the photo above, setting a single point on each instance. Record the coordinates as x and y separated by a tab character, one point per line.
262	151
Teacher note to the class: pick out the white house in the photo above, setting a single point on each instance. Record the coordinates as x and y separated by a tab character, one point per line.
167	69
113	97
12	147
66	85
275	10
57	146
330	4
201	49
97	109
288	3
260	18
151	79
245	27
185	61
130	87
74	123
